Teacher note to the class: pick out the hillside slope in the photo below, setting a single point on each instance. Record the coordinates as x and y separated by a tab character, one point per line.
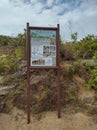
78	88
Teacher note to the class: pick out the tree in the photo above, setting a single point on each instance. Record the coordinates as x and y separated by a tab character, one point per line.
74	37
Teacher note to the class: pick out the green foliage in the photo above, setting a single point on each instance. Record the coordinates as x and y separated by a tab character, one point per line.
19	52
15	47
21	82
3	40
21	39
66	52
75	66
70	70
2	64
7	40
8	64
12	65
95	56
87	66
74	37
93	79
8	80
88	47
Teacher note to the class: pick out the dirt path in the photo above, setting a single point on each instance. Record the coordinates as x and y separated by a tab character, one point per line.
16	120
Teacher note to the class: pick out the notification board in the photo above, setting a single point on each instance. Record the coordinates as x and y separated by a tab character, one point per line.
43	47
43	52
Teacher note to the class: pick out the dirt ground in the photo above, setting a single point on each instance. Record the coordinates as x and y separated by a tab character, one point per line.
16	120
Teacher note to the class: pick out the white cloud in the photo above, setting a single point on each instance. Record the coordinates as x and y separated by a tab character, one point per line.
83	20
50	2
14	14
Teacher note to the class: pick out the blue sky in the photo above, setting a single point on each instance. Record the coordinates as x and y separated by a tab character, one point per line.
72	15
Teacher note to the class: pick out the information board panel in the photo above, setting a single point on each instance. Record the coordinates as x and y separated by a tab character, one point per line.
43	48
43	52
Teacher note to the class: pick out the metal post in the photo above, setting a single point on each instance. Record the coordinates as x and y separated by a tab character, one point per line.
58	72
58	76
28	75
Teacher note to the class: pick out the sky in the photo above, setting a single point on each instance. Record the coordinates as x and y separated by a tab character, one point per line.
73	16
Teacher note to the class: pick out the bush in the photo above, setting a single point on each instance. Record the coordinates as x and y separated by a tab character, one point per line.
19	52
3	62
92	83
95	56
66	52
8	64
1	65
88	47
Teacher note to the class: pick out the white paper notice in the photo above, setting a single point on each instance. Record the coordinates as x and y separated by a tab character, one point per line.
43	48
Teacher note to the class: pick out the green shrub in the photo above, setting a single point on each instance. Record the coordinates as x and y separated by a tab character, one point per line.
20	52
87	66
92	83
95	56
66	52
3	62
8	64
88	47
1	66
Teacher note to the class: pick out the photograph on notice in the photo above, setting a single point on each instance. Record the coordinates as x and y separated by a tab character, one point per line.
46	48
38	62
46	54
43	47
52	48
53	53
46	51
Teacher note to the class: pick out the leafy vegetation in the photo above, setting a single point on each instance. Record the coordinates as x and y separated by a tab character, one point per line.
12	49
44	93
8	64
79	50
92	83
87	47
5	40
73	51
66	52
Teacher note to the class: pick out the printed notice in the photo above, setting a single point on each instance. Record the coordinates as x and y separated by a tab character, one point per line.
43	47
